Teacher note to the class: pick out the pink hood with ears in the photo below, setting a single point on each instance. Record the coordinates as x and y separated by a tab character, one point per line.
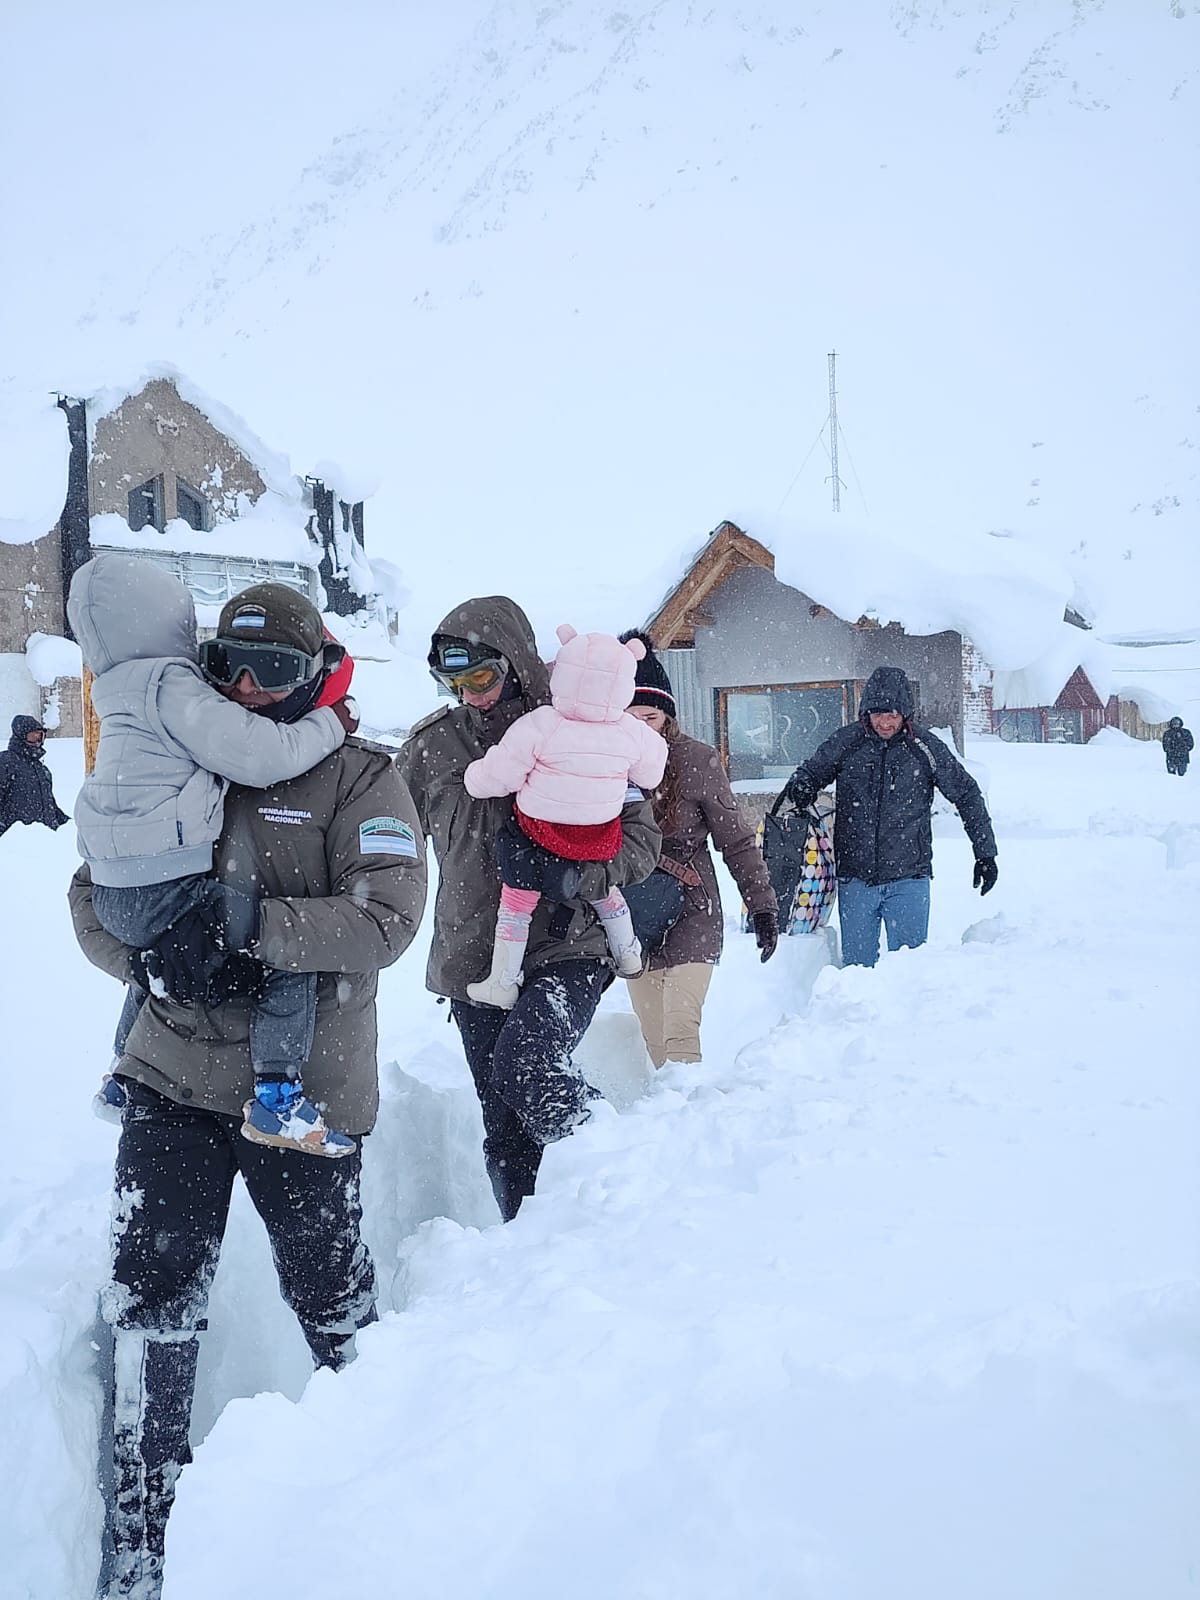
592	679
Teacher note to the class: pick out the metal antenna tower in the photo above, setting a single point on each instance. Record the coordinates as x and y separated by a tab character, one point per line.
833	431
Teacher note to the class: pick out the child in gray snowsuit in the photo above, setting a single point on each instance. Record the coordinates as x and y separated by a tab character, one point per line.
149	814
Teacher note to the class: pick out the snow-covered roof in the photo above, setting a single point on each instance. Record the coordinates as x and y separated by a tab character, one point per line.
1000	591
273	466
34	452
267	530
1162	680
35	449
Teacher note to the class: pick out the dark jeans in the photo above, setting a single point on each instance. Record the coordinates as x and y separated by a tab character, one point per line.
1177	765
284	1013
174	1178
528	1088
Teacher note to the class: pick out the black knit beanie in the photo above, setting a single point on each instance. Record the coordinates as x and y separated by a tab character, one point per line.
653	686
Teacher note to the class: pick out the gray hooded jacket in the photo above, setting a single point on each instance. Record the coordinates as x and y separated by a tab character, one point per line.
169	743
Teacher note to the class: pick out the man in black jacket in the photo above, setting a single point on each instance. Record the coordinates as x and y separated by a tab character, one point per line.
886	771
25	791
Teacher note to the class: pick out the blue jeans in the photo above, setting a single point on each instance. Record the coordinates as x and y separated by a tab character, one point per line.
902	907
282	1018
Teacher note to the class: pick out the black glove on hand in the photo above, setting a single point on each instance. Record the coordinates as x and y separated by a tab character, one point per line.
239	918
799	791
766	932
986	873
186	956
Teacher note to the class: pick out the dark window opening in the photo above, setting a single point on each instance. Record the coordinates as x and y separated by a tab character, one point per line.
146	505
191	505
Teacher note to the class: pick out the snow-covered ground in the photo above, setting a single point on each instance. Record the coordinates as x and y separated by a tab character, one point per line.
896	1295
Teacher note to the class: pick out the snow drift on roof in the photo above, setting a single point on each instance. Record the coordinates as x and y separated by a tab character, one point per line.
1162	680
998	590
34	454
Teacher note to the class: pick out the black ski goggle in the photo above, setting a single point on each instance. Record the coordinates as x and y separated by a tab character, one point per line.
272	667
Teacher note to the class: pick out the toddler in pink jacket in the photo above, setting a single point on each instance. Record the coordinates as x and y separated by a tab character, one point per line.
569	765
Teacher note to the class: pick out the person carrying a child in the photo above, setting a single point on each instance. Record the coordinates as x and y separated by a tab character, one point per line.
483	654
150	812
569	766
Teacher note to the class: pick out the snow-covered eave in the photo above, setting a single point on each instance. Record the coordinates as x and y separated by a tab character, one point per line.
1152	638
266	531
1160	679
35	454
1001	592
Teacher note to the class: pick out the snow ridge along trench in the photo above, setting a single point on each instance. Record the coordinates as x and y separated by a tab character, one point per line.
896	1294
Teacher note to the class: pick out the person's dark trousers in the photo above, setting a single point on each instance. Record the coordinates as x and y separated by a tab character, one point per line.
529	1091
1177	765
174	1178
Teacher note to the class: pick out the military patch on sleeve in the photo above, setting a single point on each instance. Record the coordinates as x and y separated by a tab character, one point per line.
386	836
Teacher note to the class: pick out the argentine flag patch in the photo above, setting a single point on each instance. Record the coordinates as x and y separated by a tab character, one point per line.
386	836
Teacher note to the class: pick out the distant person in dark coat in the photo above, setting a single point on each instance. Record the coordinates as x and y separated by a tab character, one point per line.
25	788
886	770
1177	745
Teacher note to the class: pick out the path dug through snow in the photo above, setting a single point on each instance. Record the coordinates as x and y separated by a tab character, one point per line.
897	1298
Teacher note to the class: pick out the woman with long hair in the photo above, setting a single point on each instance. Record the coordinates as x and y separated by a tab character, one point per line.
692	805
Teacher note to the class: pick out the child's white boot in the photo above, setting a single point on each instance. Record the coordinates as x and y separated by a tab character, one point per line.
502	986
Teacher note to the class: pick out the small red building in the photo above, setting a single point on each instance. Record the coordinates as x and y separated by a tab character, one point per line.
1075	717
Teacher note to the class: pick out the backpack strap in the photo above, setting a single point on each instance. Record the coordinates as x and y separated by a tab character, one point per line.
915	739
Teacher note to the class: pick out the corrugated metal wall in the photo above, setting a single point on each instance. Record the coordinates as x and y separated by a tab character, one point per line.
695	709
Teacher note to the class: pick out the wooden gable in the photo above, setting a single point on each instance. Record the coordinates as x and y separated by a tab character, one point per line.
1078	694
675	622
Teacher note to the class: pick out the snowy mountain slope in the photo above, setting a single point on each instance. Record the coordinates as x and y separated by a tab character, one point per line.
565	276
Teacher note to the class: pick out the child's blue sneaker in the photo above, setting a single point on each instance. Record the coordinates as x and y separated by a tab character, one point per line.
281	1114
110	1099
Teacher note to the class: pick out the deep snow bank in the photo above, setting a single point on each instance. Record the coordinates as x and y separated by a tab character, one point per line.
896	1299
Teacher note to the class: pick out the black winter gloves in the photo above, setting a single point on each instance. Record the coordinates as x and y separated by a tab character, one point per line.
799	791
180	965
986	873
185	959
766	932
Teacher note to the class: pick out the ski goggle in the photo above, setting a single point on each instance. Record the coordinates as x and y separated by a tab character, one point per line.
272	667
456	671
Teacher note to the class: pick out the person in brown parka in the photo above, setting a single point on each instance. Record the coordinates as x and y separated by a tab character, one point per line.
693	804
485	656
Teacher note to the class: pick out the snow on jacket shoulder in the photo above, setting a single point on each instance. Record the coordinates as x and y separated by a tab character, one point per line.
565	770
170	744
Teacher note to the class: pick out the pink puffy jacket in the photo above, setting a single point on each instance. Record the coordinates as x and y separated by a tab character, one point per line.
572	761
